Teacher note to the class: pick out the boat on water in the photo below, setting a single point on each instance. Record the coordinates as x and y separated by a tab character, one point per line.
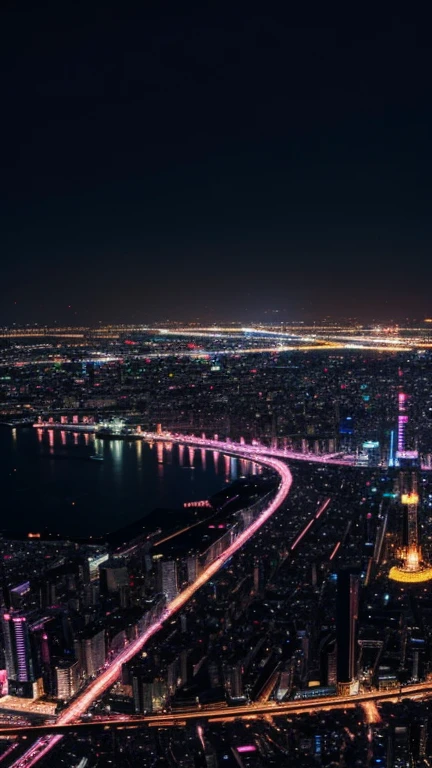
96	457
109	434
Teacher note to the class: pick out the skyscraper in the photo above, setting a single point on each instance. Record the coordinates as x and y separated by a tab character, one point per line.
233	674
90	650
410	568
192	566
402	421
112	577
167	579
150	691
347	601
67	679
21	662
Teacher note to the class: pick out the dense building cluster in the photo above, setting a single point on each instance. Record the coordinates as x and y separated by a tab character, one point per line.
329	398
306	624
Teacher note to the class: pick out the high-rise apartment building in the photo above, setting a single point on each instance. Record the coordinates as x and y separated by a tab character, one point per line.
90	651
192	567
149	691
347	603
112	578
167	579
67	679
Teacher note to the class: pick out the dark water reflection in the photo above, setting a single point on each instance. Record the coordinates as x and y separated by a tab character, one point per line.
48	480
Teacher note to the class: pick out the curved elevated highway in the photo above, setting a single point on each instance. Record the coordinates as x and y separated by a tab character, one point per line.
108	677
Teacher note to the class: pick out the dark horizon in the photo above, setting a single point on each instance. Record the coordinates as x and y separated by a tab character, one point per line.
163	166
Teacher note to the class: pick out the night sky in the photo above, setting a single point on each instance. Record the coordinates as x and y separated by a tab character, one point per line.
214	164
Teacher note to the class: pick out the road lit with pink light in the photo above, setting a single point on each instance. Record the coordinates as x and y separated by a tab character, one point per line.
255	451
224	446
109	676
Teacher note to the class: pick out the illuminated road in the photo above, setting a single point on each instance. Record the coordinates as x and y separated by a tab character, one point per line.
309	525
222	713
233	341
240	449
250	451
107	678
244	450
293	337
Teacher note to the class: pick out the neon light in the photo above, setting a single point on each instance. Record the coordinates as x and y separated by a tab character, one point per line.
407	455
322	509
391	457
410	577
303	533
402	420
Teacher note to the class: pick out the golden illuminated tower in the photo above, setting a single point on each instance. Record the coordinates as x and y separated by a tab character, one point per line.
411	569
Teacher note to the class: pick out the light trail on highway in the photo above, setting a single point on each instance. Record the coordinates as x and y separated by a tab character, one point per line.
238	340
303	533
334	551
367	700
107	678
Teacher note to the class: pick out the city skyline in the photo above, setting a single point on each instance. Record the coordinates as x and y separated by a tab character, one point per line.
215	386
208	531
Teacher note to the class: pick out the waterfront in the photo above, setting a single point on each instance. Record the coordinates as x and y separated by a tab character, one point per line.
49	481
